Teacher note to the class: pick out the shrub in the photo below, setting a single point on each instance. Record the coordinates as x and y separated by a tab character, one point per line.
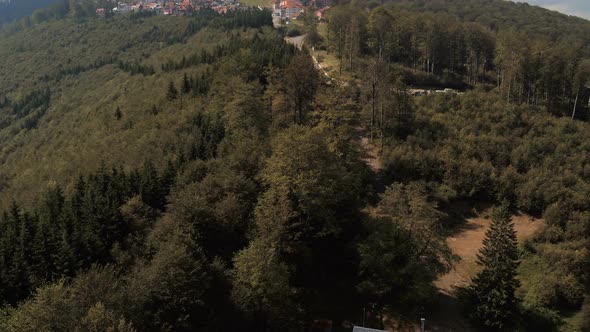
586	317
293	33
556	214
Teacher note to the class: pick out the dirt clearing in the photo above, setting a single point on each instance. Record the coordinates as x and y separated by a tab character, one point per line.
466	243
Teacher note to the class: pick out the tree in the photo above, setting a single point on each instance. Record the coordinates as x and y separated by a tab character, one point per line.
493	303
172	92
185	89
261	285
118	114
390	274
186	85
75	11
301	80
580	81
379	27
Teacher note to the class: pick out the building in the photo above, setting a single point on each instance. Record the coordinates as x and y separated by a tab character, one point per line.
364	329
291	8
122	8
186	7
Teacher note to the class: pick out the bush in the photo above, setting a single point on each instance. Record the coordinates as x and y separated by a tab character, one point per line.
586	317
556	214
538	318
571	291
579	226
293	33
557	291
552	234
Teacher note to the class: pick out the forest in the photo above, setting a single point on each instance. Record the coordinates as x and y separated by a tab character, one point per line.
199	173
15	9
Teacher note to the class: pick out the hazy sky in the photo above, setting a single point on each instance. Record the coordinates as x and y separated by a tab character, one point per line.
572	7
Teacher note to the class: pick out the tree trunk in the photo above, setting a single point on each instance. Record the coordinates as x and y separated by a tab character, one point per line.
575	104
373	92
381	127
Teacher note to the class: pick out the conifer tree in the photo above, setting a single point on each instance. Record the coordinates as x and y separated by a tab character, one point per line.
118	114
186	85
185	89
172	93
493	303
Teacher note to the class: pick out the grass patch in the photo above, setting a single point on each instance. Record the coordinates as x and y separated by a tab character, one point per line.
261	3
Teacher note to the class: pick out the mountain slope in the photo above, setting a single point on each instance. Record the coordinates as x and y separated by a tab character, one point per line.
501	14
89	71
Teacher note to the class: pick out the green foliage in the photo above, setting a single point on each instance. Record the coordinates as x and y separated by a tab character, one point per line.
391	271
172	92
247	213
261	285
491	298
461	51
405	250
586	317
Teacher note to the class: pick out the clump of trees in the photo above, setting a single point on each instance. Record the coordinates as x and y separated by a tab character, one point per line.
526	70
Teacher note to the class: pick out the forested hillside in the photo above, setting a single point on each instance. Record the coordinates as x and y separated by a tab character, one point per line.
198	173
11	10
516	136
168	173
500	14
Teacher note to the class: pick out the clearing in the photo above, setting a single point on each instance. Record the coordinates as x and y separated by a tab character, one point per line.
466	242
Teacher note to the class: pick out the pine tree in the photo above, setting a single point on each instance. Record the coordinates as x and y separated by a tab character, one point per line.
172	93
118	114
185	89
186	85
492	298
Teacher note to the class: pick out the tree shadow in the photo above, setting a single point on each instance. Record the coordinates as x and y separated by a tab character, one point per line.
446	314
457	214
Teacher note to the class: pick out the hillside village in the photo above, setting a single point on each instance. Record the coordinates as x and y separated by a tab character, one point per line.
292	9
284	9
174	8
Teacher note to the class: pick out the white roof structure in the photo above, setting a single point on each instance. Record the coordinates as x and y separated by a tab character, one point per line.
365	329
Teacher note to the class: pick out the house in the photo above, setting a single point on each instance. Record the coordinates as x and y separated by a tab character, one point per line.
296	15
220	9
154	7
291	8
122	8
186	7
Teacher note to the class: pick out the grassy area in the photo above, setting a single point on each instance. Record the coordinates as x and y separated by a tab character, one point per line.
261	3
329	62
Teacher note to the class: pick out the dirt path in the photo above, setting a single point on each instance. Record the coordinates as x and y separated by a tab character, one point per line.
370	154
466	243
